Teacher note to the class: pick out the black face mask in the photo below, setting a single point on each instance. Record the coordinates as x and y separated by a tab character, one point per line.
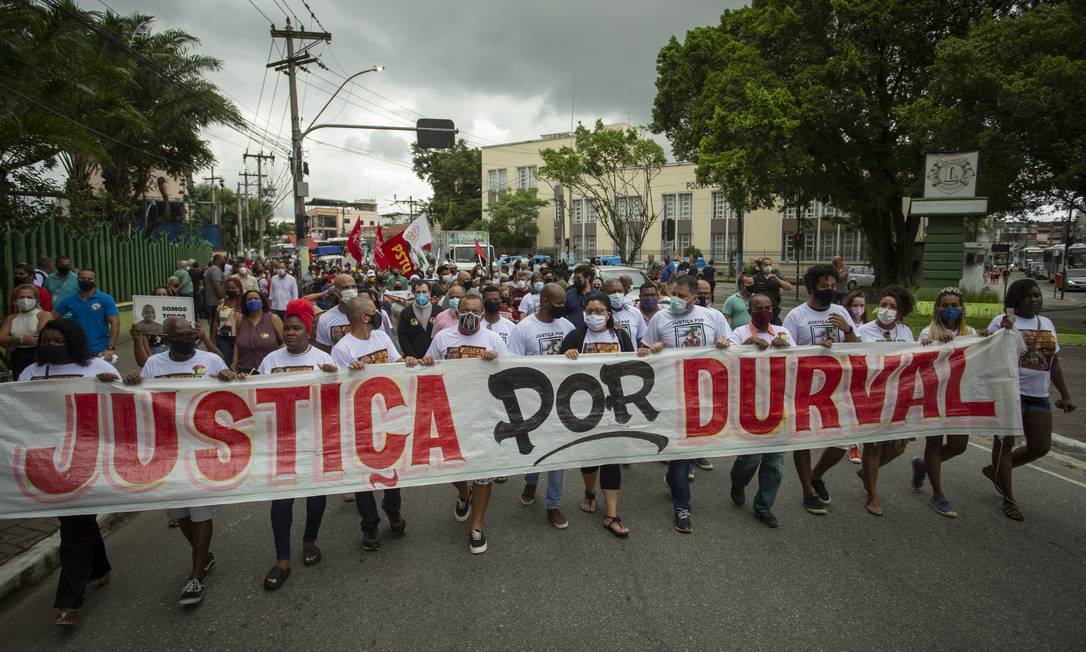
63	271
183	349
703	301
56	354
492	307
557	311
468	284
86	286
824	297
376	320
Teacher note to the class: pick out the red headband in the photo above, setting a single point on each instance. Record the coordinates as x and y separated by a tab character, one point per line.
302	309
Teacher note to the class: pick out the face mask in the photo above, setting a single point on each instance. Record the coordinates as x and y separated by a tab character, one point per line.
422	299
63	271
377	321
243	271
617	299
857	312
537	287
27	304
747	287
347	295
522	284
678	306
649	303
183	348
595	322
492	307
86	286
761	319
468	284
950	315
56	354
453	303
469	322
887	315
253	305
282	273
449	278
231	293
558	312
767	269
703	301
824	297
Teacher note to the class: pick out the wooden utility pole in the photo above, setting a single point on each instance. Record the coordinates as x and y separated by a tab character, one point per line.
261	219
216	214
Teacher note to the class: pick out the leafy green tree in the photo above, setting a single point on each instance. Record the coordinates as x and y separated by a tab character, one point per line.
513	222
456	178
800	101
614	169
1014	87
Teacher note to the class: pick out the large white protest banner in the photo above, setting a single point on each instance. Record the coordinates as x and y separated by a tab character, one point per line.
82	446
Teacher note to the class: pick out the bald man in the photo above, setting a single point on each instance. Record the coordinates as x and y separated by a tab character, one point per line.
333	323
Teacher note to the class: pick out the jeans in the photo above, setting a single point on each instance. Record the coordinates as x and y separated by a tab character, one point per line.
678	478
770	467
282	517
554	487
82	558
367	506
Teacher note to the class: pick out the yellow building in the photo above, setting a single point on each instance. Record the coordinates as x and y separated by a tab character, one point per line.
703	217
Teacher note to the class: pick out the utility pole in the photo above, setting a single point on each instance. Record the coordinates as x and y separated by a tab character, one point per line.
241	244
245	175
261	219
410	201
216	216
297	166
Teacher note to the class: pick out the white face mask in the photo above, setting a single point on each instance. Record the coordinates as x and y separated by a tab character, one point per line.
887	315
595	322
522	284
27	304
244	271
767	269
281	272
347	295
678	306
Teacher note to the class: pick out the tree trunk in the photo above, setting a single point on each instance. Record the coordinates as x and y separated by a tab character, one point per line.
892	241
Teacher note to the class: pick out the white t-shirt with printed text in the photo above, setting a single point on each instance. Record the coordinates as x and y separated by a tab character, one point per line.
282	361
746	331
534	337
377	349
47	371
1035	362
871	332
809	326
451	344
699	326
503	327
202	364
631	319
331	326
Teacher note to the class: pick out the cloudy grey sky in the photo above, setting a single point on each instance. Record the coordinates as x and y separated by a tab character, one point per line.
502	70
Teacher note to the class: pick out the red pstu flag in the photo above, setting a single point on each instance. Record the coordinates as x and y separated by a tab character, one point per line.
354	243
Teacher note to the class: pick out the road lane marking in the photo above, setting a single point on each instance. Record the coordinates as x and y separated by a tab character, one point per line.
988	449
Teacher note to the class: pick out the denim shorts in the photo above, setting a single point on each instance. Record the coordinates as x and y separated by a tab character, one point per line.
1035	404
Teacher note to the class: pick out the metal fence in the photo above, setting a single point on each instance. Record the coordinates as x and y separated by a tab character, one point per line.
124	267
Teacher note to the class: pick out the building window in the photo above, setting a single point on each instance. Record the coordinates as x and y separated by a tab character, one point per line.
498	180
679	206
721	209
828	244
578	211
683	240
590	246
722	248
590	211
526	177
628	207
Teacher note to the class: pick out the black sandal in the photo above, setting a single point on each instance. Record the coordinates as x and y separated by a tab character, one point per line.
590	500
608	524
311	554
276	577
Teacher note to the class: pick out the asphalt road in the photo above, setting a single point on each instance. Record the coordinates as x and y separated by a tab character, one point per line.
847	580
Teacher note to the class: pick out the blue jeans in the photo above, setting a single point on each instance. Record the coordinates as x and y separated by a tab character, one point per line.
770	467
678	478
554	487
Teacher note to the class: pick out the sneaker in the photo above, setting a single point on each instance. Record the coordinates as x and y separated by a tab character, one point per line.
814	505
556	518
703	464
739	495
820	488
463	510
209	565
682	521
370	542
193	593
766	518
476	542
397	524
919	475
527	497
854	454
941	505
172	523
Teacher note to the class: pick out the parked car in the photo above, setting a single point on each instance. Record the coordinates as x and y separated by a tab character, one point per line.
860	277
639	278
507	262
540	259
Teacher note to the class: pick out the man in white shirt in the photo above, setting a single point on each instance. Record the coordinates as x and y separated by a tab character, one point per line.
492	319
282	289
684	324
819	321
332	324
542	334
624	313
468	339
184	360
529	303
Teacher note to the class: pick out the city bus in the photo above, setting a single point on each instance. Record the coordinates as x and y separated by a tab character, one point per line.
1076	264
1030	259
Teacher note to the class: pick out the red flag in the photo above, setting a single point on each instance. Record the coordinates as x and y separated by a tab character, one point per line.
397	253
354	243
379	255
479	252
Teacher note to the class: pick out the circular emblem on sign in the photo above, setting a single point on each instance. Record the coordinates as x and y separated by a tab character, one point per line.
951	174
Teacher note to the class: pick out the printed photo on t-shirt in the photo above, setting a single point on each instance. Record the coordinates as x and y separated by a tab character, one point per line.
337	332
290	370
63	377
822	331
464	351
377	357
1040	349
549	345
601	347
690	335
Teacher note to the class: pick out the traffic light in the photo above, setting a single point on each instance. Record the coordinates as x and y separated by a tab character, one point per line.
669	230
797	240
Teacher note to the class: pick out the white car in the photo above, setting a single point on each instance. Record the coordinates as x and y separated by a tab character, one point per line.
608	272
860	277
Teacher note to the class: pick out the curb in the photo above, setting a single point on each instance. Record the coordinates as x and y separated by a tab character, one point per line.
1068	446
43	558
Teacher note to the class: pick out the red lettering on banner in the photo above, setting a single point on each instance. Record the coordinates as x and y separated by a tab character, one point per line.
331	437
922	365
955	407
432	412
41	470
363	423
126	459
285	401
749	390
822	400
205	421
868	404
718	379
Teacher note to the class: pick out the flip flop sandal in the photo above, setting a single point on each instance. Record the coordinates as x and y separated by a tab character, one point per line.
95	584
588	504
872	511
311	554
1011	511
608	524
276	577
66	618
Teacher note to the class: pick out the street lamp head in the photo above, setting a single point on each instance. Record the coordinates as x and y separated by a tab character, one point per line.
378	68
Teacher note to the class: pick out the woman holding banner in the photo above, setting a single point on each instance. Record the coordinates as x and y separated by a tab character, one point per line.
599	335
895	304
19	332
1038	366
947	322
62	353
